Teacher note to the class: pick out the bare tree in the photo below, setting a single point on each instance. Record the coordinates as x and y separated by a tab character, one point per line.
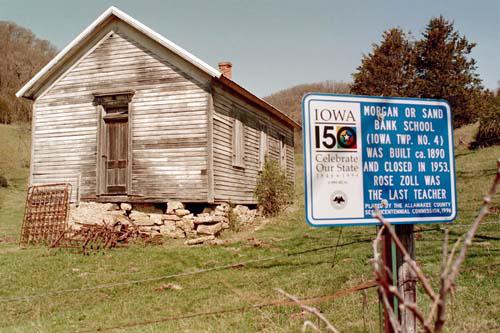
22	55
434	318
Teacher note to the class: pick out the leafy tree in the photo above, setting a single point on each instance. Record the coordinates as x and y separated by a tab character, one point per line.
446	70
437	66
273	191
388	70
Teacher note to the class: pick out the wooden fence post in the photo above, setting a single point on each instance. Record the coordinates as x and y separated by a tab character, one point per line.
387	261
406	277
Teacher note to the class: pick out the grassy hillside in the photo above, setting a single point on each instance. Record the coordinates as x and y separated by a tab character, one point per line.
123	287
289	100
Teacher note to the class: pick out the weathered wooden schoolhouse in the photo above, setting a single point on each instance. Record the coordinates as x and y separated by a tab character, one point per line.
125	115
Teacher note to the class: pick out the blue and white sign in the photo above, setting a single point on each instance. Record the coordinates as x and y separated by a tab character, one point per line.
362	153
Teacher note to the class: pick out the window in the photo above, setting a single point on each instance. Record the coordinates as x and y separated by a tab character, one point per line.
238	144
282	144
262	147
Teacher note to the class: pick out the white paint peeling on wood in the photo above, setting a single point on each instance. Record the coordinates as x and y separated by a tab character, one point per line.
169	127
113	11
237	184
181	125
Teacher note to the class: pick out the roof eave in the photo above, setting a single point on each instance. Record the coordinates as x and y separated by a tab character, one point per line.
23	91
233	86
27	90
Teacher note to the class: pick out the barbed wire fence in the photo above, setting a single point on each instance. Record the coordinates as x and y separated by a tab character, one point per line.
433	322
433	319
233	265
240	264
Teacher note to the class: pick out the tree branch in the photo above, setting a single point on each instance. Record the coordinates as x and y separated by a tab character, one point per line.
447	282
310	309
406	256
413	307
310	324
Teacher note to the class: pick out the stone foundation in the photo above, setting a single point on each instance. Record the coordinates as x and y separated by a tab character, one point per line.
173	221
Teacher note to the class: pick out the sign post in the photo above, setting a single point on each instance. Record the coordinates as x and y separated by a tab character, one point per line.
387	260
406	277
392	154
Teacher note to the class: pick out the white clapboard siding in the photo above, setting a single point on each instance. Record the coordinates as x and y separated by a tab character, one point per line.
238	184
168	120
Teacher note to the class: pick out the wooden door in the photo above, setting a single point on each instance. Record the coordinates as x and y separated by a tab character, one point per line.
116	155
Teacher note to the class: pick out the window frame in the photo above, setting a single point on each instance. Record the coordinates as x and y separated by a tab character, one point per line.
238	143
263	146
282	151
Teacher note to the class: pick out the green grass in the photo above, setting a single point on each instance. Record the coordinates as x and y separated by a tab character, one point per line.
464	136
14	152
38	270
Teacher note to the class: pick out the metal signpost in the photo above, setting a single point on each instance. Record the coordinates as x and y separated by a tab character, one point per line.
392	154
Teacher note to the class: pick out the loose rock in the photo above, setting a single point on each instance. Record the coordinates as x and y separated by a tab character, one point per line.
177	223
152	230
203	218
121	219
140	218
125	206
209	229
181	212
170	224
216	241
171	217
157	219
244	214
185	224
240	210
173	205
168	231
217	219
199	240
93	213
112	206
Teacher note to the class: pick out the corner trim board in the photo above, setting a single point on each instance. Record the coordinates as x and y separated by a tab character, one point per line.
210	146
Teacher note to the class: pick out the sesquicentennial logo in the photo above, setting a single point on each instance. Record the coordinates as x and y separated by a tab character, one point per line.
335	137
346	137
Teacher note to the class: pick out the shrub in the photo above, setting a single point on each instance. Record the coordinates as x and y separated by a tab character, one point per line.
489	130
273	191
233	219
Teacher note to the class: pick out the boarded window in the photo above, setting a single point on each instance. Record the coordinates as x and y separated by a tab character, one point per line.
282	152
238	144
262	147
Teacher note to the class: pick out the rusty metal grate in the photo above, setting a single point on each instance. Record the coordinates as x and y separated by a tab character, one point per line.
94	238
46	213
